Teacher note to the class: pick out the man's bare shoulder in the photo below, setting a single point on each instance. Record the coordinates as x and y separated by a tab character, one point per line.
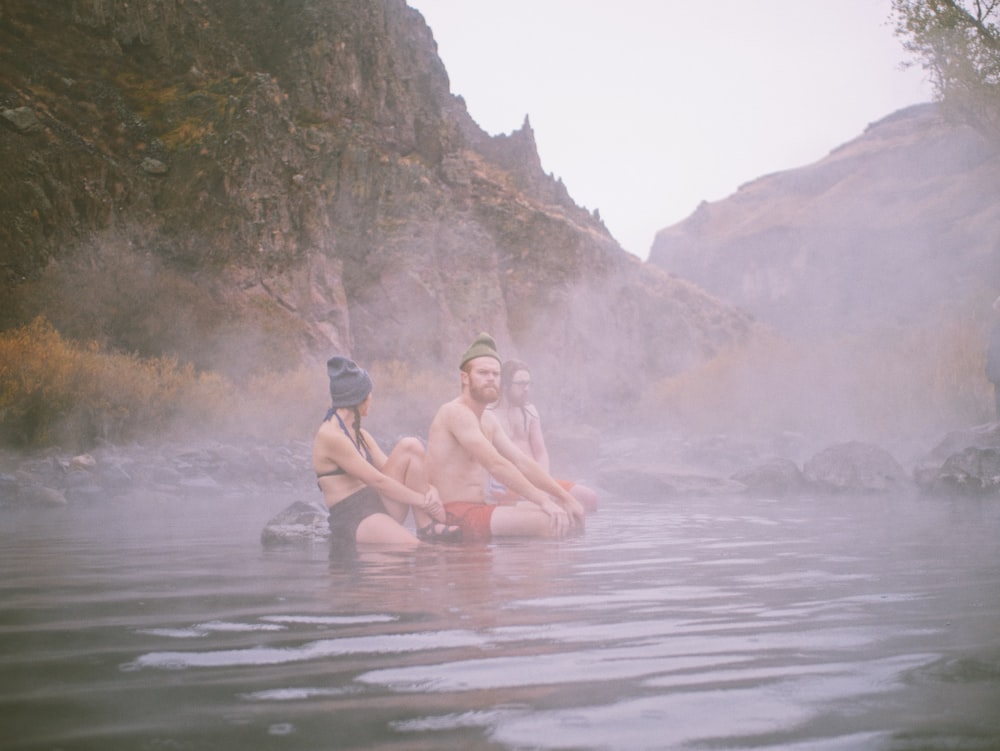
490	420
452	413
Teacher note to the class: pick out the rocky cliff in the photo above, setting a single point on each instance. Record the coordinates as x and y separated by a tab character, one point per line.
244	183
889	230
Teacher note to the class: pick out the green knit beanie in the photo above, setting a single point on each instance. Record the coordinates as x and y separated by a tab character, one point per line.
483	346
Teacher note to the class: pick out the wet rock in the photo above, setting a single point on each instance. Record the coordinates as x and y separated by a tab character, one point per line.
774	477
113	476
929	472
40	495
856	467
974	471
82	461
301	522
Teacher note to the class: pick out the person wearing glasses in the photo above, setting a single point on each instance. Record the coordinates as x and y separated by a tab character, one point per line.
520	420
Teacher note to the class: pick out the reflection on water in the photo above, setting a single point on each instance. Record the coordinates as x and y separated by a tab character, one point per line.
867	623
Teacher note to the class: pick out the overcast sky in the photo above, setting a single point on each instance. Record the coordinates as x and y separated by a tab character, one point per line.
645	108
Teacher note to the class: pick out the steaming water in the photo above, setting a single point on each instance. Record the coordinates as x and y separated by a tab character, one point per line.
852	623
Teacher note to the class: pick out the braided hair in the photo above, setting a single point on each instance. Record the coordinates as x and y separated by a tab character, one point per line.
359	437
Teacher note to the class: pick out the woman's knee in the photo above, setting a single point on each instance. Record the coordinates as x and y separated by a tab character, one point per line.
410	446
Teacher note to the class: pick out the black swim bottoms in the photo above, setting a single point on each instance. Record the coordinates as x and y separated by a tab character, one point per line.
347	514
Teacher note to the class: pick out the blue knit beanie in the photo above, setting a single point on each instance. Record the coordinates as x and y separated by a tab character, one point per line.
349	384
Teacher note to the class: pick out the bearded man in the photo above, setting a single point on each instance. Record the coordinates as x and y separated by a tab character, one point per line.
466	445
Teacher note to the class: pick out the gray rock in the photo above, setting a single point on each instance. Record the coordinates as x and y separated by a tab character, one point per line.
153	166
40	495
856	467
774	477
22	119
299	523
928	471
974	471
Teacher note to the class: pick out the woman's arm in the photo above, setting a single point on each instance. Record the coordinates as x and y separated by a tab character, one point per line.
341	450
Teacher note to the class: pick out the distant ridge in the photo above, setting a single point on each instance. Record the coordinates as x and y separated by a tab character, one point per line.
889	229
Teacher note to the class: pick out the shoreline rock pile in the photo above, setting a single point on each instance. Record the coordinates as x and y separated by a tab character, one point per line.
965	463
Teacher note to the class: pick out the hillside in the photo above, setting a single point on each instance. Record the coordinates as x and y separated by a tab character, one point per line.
247	184
894	228
875	267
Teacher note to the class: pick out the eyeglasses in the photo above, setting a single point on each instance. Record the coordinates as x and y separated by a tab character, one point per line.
521	384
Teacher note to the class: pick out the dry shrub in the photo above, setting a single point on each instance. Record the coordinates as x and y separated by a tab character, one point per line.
887	386
281	405
56	391
406	400
132	301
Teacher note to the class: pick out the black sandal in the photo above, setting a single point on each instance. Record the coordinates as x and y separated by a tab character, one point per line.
440	532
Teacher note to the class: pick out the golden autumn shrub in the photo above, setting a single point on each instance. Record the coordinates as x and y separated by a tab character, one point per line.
55	391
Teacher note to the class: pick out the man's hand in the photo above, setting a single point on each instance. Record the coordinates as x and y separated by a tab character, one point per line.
559	519
572	507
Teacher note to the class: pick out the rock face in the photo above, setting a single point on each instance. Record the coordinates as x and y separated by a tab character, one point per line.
889	229
292	180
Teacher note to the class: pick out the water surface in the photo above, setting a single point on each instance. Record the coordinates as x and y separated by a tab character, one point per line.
704	623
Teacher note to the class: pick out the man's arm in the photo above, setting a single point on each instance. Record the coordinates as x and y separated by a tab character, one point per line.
536	440
532	472
478	440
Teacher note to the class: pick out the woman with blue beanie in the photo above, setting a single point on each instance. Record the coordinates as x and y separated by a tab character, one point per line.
368	493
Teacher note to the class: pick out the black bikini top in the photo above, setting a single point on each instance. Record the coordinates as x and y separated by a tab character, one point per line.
365	453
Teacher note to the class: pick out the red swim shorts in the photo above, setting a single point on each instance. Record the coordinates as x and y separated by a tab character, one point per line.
473	518
504	495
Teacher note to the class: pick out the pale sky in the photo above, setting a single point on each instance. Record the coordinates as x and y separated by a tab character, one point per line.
645	108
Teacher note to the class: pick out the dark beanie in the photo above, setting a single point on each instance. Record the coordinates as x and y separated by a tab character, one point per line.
483	346
349	384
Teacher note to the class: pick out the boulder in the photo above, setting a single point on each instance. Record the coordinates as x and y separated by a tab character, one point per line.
21	119
40	495
974	471
855	467
774	477
952	448
299	523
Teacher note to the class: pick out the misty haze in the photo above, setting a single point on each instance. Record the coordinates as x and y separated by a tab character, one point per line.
785	416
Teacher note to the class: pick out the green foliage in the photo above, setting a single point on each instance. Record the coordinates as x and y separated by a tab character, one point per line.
958	43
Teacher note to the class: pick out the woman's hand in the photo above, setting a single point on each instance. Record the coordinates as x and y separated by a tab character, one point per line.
432	504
